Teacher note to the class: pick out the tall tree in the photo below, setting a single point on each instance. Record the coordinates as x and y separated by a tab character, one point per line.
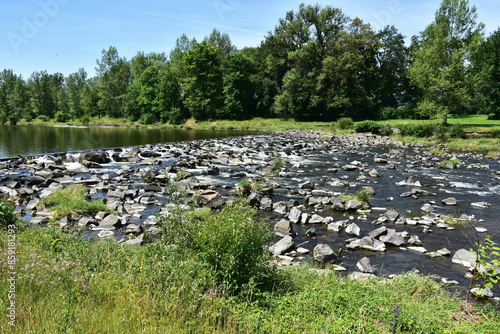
203	85
13	98
487	68
442	59
114	77
76	87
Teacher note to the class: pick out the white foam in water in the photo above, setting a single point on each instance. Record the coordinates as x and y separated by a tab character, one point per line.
464	185
72	157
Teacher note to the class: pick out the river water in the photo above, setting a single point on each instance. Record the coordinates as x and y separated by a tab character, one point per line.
28	140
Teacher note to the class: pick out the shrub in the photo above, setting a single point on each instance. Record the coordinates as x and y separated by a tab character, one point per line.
416	130
278	163
61	117
457	131
494	133
229	241
43	118
85	120
385	130
345	123
7	215
367	126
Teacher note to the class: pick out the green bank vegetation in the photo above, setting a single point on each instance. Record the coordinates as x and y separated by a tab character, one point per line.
211	274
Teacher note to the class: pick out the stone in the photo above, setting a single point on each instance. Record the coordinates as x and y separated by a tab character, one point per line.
415	240
481	205
353	204
393	240
427	208
266	204
482	292
365	266
211	198
356	275
324	253
308	185
294	215
418	249
449	201
283	228
391	215
99	157
254	199
336	226
480	229
465	258
138	241
443	252
338	204
378	232
373	173
316	219
280	208
282	246
111	221
311	232
353	229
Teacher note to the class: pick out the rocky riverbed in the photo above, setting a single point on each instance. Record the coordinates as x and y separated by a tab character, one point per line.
422	210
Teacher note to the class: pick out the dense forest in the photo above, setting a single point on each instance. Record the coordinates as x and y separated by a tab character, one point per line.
317	64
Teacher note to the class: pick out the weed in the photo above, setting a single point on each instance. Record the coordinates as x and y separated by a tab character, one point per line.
278	163
7	215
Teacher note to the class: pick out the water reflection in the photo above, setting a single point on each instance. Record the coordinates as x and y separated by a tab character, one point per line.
35	139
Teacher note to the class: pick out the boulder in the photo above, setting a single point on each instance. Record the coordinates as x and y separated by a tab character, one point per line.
354	204
365	266
449	201
378	232
393	240
353	229
283	228
294	215
427	208
338	204
324	253
266	204
280	207
316	219
282	246
211	198
373	173
308	185
391	215
465	258
99	157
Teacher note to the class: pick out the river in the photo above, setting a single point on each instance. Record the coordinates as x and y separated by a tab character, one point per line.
28	140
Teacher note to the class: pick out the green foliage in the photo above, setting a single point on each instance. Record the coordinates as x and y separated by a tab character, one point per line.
61	117
494	133
345	123
43	118
7	215
278	163
229	241
416	130
487	268
457	131
245	187
454	162
72	201
373	127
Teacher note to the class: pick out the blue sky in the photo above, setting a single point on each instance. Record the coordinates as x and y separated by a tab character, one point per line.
65	35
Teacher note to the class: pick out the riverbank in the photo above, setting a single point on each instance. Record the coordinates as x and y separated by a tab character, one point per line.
482	133
304	186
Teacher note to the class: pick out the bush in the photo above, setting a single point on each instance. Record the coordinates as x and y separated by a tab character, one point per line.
416	130
457	131
229	241
61	117
494	133
345	123
85	120
7	215
43	118
367	126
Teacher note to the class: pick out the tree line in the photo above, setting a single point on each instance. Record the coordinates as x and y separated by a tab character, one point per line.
316	65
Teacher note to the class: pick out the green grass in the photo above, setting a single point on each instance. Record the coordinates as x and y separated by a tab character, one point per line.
182	284
73	201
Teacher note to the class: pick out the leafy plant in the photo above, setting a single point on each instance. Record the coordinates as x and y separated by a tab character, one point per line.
416	130
245	187
7	215
487	267
278	163
457	131
345	123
